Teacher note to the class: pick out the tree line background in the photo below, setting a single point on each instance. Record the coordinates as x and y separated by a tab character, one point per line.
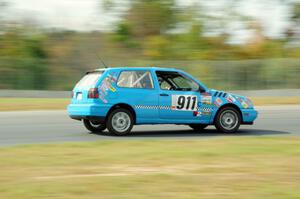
152	33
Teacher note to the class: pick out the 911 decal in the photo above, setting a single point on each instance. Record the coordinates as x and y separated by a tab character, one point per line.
184	102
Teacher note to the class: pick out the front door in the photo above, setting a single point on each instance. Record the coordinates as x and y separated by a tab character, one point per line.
179	98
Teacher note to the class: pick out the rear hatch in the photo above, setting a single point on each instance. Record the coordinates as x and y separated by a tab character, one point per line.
86	90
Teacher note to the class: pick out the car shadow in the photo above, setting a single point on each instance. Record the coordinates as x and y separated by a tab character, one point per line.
204	133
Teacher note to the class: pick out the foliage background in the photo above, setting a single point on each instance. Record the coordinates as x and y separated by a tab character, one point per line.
150	33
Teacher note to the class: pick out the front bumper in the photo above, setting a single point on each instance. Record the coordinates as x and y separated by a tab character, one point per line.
249	115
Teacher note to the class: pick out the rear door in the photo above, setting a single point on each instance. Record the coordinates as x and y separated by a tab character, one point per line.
179	97
136	88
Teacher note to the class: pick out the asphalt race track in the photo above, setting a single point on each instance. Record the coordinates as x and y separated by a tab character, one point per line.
55	126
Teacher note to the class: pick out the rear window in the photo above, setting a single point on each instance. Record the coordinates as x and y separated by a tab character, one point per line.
89	80
135	79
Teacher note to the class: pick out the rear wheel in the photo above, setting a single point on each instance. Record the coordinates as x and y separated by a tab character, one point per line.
198	127
228	120
94	126
120	122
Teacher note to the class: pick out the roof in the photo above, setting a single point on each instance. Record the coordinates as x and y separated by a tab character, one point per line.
139	68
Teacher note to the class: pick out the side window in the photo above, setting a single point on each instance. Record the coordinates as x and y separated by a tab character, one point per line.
186	84
135	79
176	81
164	85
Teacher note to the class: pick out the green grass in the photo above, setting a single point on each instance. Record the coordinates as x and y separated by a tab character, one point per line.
262	101
240	167
23	104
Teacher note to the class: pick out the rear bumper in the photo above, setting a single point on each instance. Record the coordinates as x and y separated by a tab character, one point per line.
88	111
249	115
92	118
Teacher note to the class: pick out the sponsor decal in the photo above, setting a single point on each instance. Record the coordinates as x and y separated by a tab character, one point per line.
206	98
206	112
218	102
103	89
103	99
243	102
197	113
113	89
112	78
107	85
247	114
239	99
248	101
230	99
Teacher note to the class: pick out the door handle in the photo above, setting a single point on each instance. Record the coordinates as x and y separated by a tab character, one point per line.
164	95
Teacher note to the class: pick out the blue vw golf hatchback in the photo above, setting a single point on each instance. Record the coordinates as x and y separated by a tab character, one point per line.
118	98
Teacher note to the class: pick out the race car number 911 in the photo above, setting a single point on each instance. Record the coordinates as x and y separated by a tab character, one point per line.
184	102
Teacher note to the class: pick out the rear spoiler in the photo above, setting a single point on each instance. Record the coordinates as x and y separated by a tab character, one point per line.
95	71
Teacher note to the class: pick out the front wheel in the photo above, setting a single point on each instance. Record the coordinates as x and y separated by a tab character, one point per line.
120	122
93	126
228	120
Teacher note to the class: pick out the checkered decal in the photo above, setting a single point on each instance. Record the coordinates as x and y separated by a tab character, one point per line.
153	107
146	107
204	109
165	107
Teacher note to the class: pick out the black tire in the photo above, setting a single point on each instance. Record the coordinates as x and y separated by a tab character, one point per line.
198	127
118	126
229	123
94	127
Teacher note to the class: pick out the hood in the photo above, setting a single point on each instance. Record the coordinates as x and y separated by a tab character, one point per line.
239	100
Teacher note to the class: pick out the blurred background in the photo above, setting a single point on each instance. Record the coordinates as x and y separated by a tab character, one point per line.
248	46
227	44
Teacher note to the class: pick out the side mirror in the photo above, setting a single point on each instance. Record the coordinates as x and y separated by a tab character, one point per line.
202	90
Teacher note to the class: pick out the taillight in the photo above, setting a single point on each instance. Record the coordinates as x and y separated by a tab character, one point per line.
93	93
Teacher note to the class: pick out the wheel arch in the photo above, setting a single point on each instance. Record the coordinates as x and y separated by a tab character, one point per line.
125	106
228	105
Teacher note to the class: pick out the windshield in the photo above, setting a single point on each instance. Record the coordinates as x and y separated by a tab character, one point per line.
89	80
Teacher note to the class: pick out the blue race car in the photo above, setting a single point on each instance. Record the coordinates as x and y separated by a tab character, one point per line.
118	98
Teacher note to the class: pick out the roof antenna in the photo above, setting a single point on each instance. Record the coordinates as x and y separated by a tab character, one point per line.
101	61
